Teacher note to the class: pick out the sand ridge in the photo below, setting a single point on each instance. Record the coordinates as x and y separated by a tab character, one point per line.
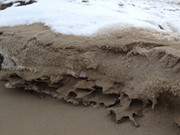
125	71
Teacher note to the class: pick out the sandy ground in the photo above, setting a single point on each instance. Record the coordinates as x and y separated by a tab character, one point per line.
24	113
129	76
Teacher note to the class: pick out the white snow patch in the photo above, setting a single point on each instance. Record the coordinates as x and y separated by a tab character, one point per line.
80	18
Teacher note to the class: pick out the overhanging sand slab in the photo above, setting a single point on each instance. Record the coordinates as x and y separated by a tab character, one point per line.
125	71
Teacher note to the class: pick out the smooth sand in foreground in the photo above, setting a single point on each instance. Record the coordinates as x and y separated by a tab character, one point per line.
26	114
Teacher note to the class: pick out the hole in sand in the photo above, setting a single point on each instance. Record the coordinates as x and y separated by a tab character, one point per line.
1	60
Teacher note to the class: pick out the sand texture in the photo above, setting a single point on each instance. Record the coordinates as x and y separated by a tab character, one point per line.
126	71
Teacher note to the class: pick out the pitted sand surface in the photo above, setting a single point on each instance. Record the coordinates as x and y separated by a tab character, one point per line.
127	72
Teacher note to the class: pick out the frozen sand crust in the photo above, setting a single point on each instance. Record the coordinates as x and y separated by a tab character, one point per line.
115	70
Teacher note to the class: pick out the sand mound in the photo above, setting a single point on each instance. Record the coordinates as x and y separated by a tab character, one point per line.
125	71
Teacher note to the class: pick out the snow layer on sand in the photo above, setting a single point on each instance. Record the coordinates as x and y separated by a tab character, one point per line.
85	18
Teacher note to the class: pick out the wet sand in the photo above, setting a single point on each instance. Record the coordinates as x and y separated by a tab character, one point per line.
24	113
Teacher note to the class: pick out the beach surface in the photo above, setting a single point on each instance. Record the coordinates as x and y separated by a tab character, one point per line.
92	67
117	82
25	113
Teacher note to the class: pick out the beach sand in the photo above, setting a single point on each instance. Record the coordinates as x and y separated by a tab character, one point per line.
25	113
115	82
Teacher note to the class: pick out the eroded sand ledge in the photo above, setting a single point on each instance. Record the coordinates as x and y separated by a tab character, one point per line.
124	71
